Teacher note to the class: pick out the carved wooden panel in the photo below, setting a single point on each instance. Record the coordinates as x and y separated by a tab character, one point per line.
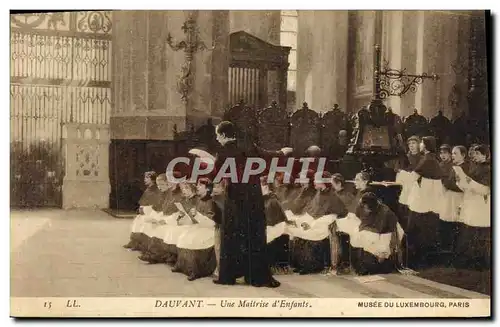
305	129
273	127
245	119
332	123
416	125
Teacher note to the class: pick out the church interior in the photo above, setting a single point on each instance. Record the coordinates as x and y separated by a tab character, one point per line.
99	98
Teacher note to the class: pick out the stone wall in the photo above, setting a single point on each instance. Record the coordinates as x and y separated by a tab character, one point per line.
335	58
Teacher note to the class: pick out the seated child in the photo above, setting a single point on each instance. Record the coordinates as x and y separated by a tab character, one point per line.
150	196
311	234
195	246
375	242
276	222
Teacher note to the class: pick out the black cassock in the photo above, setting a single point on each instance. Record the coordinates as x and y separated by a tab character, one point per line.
243	226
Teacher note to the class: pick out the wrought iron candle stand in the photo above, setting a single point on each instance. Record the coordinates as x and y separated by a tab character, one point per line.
190	45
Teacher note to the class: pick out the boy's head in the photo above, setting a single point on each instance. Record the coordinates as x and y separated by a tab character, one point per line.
445	152
149	178
338	181
204	187
162	183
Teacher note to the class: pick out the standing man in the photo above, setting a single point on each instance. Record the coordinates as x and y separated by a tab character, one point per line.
243	228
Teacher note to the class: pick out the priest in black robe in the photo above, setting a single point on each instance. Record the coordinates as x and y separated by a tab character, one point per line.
243	242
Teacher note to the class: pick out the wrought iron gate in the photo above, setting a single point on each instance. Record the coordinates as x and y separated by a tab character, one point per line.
60	72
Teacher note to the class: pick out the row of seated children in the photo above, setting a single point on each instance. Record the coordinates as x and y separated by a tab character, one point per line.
175	226
331	225
309	226
446	203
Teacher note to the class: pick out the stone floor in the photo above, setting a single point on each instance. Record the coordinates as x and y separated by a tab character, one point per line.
79	254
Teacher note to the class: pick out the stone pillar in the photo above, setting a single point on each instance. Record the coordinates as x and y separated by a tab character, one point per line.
456	41
420	59
393	50
146	103
322	59
409	56
209	95
86	180
305	59
341	52
148	72
442	47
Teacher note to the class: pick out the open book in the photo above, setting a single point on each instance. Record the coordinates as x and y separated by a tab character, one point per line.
385	183
460	173
180	208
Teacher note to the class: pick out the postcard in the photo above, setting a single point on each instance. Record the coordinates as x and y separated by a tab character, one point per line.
366	123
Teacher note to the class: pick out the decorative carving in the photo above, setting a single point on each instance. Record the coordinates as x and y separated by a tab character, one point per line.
94	22
273	127
454	97
59	21
55	19
305	126
60	58
333	122
375	140
245	119
28	20
190	45
87	160
394	82
87	134
458	67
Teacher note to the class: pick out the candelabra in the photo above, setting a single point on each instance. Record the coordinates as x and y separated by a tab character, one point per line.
191	45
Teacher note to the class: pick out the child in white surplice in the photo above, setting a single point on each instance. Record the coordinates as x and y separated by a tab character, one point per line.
195	246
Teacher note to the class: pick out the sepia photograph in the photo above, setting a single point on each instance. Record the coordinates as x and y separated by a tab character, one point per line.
250	163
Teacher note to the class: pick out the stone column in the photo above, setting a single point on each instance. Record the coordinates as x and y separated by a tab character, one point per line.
442	47
419	62
148	101
409	55
394	53
341	52
146	105
322	59
305	59
209	95
86	180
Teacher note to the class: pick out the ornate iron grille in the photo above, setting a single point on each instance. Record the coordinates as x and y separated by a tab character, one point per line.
60	72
